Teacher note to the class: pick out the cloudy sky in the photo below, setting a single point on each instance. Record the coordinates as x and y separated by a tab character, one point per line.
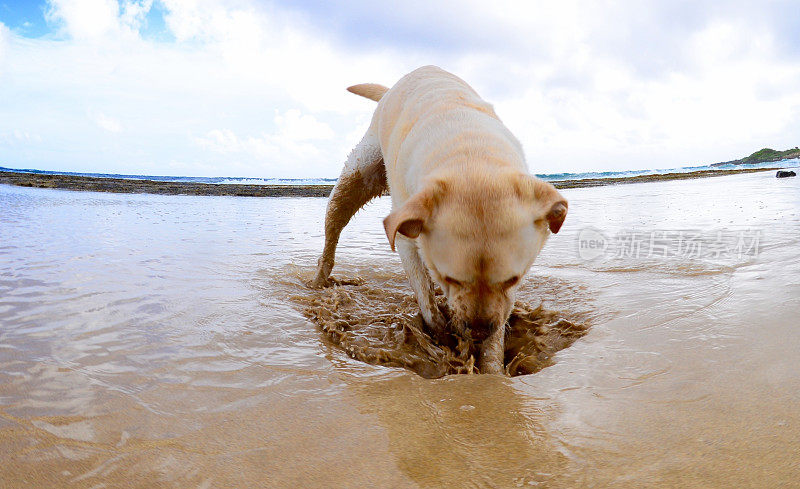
256	88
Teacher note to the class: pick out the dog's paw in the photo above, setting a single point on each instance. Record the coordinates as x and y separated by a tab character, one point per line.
438	327
318	283
322	282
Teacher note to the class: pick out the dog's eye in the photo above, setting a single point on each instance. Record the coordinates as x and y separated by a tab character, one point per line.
452	281
511	282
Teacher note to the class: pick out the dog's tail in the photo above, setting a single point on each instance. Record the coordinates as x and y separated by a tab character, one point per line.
372	91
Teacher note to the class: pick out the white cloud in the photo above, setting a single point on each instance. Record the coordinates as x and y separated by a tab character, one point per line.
297	138
134	13
220	141
98	19
85	19
281	90
295	126
4	36
19	137
254	89
105	122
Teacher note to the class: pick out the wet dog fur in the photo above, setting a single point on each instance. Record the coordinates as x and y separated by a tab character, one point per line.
466	214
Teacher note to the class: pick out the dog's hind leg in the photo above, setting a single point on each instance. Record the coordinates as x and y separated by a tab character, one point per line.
363	178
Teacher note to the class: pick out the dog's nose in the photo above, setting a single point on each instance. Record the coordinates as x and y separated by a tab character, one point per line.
481	329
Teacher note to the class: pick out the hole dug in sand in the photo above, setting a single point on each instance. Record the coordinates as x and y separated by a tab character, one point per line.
382	326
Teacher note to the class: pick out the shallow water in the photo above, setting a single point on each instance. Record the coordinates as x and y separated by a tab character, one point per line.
156	340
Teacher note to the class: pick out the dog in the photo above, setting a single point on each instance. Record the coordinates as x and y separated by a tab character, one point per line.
466	214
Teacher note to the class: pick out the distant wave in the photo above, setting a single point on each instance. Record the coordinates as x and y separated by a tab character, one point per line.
275	181
551	177
793	163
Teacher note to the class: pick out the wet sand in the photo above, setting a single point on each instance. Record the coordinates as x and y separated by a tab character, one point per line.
120	185
398	337
168	341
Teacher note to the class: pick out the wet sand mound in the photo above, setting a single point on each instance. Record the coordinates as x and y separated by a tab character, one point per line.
382	326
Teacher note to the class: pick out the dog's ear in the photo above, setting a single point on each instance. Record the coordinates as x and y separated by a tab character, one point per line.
556	215
549	203
410	219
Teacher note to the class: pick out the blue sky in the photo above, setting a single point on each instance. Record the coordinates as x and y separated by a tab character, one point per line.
246	88
26	18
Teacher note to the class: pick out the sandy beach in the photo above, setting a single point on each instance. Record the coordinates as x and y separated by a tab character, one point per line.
168	341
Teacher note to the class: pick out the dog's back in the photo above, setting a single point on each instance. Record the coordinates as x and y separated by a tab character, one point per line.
432	121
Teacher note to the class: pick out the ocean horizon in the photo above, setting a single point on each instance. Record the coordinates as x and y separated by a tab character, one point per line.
550	177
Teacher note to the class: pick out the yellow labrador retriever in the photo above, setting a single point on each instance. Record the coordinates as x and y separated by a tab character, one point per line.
465	210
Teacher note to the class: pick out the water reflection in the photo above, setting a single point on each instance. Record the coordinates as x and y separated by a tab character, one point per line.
463	431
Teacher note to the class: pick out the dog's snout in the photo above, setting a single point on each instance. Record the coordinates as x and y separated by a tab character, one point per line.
482	328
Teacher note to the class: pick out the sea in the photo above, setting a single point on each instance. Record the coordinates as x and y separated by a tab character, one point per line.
550	177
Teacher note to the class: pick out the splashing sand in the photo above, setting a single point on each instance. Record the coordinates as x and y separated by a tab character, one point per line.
382	326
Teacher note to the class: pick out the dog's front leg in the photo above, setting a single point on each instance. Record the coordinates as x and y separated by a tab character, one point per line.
363	178
492	355
421	282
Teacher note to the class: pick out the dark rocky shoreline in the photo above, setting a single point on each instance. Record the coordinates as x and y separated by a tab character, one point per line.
132	186
121	185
